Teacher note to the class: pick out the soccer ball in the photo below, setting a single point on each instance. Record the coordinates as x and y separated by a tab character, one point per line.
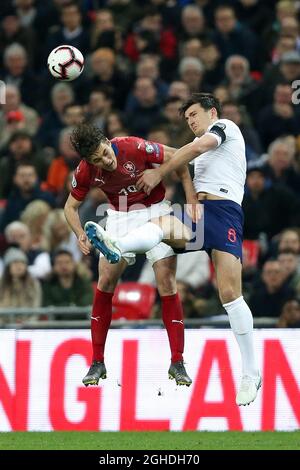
65	63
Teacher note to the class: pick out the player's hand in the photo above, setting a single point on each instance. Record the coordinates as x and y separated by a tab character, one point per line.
194	209
148	180
84	244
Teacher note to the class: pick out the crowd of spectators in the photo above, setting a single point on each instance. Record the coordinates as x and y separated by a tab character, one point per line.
142	60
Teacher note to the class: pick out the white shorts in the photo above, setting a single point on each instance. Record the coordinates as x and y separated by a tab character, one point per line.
120	223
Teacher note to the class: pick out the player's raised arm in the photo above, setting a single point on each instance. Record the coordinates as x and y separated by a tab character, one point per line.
184	155
188	152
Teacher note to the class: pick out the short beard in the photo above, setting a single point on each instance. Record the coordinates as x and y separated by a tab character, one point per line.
200	133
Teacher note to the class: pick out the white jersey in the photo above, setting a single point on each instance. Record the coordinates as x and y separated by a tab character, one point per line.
222	171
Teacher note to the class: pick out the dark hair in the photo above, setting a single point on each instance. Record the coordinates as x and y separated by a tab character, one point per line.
6	283
282	83
207	101
149	10
230	103
171	100
225	6
86	138
120	118
104	89
20	134
258	168
60	252
7	279
71	3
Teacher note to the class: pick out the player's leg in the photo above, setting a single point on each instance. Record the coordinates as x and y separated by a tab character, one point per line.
229	274
174	232
101	317
166	228
172	312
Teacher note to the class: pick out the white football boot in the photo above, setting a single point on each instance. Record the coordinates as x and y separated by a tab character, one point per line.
248	390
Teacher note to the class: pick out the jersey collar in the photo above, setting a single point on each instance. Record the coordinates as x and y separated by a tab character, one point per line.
115	148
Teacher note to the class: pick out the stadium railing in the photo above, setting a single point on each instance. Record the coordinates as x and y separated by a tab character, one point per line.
48	320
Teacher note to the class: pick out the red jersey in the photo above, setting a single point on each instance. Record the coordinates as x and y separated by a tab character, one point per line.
134	155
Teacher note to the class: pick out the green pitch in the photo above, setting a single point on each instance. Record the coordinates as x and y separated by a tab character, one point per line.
149	440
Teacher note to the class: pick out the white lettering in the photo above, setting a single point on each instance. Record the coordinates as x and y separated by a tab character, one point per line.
296	93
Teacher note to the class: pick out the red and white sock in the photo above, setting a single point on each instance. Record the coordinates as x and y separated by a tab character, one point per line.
100	322
172	315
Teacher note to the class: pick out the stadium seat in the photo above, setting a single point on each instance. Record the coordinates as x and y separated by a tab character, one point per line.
133	301
251	252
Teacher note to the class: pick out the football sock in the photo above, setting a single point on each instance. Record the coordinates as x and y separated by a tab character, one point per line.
100	322
241	322
172	315
141	239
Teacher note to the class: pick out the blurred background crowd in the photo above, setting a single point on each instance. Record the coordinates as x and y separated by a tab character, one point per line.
143	58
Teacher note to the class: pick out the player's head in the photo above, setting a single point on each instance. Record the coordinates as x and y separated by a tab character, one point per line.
93	146
200	111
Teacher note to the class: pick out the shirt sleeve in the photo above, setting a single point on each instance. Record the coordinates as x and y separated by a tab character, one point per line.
218	131
81	181
151	152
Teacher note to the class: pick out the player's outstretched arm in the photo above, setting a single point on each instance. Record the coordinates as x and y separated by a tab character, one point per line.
182	173
72	217
184	155
193	206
